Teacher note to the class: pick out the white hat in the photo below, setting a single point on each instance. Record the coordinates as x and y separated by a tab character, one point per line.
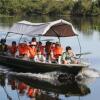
33	43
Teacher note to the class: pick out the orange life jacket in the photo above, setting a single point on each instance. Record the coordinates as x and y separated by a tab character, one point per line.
32	52
30	92
23	49
58	51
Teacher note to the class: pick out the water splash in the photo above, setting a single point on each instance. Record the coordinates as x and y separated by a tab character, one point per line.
89	73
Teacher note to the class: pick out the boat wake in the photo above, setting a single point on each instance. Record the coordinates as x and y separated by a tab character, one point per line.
89	73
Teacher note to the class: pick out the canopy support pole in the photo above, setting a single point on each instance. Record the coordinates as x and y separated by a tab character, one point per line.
6	35
79	46
56	34
59	39
20	38
39	38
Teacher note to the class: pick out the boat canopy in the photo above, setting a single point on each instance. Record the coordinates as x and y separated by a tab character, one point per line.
58	28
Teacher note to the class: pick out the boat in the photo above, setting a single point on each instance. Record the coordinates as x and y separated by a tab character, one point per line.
59	28
16	63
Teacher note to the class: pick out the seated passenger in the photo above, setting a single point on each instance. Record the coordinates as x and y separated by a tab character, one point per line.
58	52
53	46
32	51
41	48
52	58
68	56
3	46
47	50
39	57
23	49
33	41
13	48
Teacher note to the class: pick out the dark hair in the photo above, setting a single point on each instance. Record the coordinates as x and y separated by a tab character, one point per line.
39	42
33	39
14	42
48	43
3	41
68	48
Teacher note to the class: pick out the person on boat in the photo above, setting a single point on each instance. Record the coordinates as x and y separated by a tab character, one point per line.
41	48
23	50
39	57
53	46
68	57
32	50
3	46
51	58
13	48
48	51
58	52
33	41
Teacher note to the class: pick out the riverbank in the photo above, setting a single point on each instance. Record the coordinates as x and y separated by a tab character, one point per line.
49	7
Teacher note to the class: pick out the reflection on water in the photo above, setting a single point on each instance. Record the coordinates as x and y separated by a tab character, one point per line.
87	24
26	87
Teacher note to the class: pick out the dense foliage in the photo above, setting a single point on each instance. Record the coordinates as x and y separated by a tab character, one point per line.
50	7
86	8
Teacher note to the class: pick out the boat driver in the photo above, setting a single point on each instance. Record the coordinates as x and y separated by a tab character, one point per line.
68	57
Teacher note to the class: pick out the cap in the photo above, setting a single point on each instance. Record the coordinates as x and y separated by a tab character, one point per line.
33	43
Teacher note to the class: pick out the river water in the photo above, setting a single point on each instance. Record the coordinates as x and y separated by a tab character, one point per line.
15	85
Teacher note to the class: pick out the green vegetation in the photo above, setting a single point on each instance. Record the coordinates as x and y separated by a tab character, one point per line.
49	7
86	8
